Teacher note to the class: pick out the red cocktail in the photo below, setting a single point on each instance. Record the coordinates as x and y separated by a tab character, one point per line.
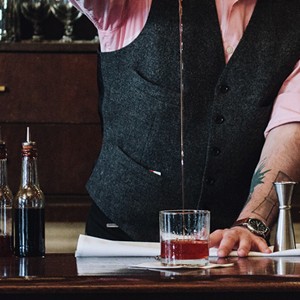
184	249
184	236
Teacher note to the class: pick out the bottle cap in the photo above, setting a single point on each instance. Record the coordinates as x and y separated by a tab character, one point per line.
29	147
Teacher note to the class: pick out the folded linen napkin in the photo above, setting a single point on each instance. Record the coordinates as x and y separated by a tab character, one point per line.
88	246
91	246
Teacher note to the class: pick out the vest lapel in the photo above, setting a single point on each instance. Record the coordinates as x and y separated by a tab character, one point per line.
257	38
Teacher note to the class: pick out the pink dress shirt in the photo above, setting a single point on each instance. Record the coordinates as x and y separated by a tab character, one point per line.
119	22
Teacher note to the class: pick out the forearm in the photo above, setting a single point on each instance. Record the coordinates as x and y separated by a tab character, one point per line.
279	161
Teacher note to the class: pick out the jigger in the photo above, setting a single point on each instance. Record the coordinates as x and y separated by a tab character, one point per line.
285	235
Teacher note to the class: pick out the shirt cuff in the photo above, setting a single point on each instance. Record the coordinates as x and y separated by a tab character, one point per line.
286	110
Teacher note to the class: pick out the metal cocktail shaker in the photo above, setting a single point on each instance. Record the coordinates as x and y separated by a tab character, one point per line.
285	235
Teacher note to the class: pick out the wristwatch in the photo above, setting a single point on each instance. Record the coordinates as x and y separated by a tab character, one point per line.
255	226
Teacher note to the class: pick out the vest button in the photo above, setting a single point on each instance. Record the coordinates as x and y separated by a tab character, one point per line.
215	151
219	119
224	89
210	181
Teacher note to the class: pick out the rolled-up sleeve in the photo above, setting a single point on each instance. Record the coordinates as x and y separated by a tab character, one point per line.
286	107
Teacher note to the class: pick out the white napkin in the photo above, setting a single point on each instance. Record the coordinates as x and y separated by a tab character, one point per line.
91	246
88	246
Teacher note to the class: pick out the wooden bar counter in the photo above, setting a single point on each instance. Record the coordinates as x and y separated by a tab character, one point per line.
62	276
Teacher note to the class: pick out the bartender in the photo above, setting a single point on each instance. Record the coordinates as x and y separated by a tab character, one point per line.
241	113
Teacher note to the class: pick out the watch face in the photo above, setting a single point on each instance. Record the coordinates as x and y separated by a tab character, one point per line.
258	225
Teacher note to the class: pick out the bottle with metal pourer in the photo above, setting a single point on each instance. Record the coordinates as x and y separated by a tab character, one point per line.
29	206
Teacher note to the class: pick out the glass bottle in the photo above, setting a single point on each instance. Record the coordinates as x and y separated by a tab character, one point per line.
29	207
6	199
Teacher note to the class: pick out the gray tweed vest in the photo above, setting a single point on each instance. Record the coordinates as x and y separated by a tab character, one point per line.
226	110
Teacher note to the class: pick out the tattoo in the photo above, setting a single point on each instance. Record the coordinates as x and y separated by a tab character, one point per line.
266	207
258	177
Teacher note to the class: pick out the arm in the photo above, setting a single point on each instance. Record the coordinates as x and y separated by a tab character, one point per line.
118	22
280	161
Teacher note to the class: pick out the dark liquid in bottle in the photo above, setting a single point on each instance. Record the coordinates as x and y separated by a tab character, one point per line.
5	245
29	232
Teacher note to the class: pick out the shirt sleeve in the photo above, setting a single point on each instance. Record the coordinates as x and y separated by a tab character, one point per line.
286	107
118	22
106	15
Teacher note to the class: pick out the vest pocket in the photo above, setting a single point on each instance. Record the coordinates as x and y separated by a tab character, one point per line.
127	192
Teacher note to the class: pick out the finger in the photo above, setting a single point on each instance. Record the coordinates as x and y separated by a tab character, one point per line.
215	238
261	245
229	241
245	245
252	242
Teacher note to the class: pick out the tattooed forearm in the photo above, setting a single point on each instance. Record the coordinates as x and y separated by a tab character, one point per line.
279	162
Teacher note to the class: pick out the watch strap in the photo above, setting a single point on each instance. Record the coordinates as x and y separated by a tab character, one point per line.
241	222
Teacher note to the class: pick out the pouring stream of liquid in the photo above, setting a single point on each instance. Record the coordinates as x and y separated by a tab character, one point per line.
181	65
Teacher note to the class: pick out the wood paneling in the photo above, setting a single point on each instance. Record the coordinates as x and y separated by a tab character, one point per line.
48	87
53	90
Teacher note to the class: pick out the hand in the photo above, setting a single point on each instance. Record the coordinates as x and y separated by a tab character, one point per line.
237	238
